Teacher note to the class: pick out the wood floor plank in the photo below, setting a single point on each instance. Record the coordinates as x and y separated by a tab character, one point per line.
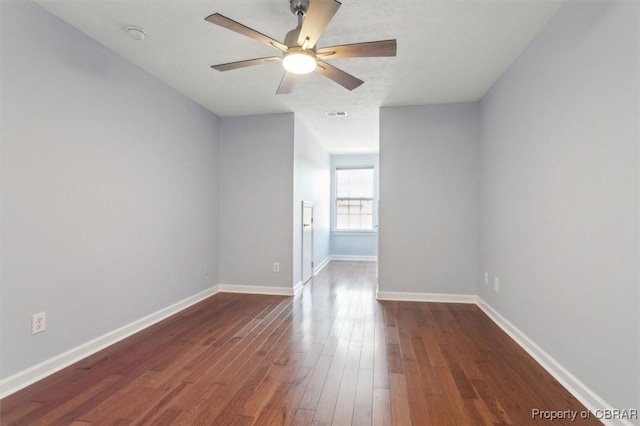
416	389
462	383
316	383
363	403
11	416
394	358
327	402
431	383
381	407
400	413
303	417
380	360
452	396
343	413
330	355
280	405
67	411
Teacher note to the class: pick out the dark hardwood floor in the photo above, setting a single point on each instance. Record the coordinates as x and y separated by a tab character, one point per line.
331	355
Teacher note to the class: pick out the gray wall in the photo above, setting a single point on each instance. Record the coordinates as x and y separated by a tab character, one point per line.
256	199
355	243
311	182
109	189
429	172
560	195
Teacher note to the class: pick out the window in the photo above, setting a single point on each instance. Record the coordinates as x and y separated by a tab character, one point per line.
354	199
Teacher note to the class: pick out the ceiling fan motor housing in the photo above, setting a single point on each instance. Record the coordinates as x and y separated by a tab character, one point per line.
291	39
299	7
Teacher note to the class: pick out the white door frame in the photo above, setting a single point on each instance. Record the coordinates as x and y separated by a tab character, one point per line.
306	204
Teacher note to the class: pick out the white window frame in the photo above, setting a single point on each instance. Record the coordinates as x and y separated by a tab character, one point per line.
335	229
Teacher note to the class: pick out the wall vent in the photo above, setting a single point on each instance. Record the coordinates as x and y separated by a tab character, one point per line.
336	113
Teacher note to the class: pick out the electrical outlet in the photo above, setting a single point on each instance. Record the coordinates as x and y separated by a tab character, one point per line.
486	278
38	323
276	266
496	284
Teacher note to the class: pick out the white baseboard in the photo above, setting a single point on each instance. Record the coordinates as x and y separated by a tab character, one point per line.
426	297
355	258
256	289
298	287
37	372
578	389
328	259
320	266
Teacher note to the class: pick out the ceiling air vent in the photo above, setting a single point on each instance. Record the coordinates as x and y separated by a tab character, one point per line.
336	113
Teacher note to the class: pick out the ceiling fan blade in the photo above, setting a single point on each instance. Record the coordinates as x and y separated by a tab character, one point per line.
248	63
342	78
316	20
232	25
286	84
359	50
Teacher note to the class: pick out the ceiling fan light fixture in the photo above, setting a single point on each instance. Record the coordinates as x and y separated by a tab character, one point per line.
299	62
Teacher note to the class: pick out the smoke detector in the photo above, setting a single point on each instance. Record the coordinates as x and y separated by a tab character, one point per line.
135	33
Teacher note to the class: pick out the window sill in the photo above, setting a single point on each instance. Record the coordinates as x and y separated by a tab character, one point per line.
355	233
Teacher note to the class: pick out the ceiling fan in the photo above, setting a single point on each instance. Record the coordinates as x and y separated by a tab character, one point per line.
299	54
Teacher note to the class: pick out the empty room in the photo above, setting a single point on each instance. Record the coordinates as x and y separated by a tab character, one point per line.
320	212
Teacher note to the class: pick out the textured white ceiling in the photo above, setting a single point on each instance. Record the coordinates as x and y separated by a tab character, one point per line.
448	51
